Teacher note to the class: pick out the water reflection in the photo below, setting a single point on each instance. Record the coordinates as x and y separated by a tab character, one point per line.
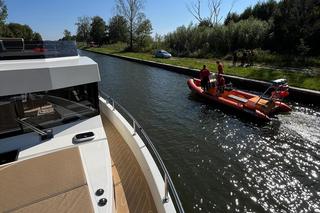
220	161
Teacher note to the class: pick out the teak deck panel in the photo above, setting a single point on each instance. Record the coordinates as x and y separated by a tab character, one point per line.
55	181
133	189
76	200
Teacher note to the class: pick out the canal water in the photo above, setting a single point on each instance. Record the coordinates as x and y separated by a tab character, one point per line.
220	161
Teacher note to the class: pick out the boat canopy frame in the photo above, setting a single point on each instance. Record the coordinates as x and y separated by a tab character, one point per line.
18	48
275	84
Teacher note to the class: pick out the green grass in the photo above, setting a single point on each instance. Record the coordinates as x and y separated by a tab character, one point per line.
297	79
266	57
81	45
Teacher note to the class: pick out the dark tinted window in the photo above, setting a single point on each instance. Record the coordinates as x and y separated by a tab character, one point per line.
47	109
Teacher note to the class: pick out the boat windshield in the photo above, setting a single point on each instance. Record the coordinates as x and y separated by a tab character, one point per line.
47	109
17	48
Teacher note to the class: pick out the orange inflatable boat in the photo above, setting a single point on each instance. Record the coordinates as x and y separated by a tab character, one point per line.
258	106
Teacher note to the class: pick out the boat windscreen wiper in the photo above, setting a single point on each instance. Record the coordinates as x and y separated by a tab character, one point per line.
44	134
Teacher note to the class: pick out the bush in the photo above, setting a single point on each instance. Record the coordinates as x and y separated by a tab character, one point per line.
268	57
194	41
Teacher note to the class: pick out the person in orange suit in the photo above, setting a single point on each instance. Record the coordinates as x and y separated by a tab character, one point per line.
204	75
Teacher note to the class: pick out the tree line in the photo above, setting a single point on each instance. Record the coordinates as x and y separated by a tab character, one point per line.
286	27
15	30
290	27
130	25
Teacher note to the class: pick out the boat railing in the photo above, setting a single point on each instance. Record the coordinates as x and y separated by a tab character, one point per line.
137	129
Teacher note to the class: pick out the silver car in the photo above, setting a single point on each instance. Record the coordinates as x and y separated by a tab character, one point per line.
162	54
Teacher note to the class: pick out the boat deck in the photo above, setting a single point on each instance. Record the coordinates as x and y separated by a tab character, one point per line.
131	188
56	182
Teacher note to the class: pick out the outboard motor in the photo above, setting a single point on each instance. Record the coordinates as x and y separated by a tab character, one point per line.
281	89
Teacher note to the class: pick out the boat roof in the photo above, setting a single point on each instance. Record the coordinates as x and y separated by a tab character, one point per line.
34	75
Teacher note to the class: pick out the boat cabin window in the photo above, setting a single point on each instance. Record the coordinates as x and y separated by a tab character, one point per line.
47	109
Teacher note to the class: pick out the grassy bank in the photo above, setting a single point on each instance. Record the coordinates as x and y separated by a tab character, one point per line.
295	78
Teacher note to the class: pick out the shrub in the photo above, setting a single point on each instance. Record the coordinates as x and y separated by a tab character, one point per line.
194	41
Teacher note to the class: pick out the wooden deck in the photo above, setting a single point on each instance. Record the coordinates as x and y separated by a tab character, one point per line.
53	182
132	193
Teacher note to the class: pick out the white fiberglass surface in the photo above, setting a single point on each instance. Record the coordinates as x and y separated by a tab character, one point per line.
30	144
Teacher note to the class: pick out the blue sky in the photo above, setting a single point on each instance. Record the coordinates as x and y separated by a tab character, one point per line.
50	18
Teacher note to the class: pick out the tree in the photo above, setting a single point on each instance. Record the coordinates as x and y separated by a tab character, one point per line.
264	10
143	33
302	50
247	13
83	28
15	30
158	42
295	20
248	34
132	11
98	30
4	31
195	10
231	17
36	37
314	26
3	12
67	35
19	31
118	29
205	23
214	7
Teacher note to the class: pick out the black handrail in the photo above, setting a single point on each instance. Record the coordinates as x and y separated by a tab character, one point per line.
147	141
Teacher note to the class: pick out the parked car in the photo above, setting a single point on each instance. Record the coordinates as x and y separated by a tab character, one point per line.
92	44
162	54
